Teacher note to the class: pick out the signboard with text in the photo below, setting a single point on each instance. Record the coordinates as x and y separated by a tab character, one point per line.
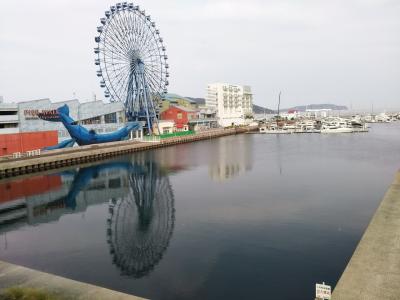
323	291
33	114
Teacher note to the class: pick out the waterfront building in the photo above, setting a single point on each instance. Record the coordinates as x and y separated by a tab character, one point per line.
177	100
206	119
15	143
9	122
291	114
233	104
165	127
180	115
318	113
97	115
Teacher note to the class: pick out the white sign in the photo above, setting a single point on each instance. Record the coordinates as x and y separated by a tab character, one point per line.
322	291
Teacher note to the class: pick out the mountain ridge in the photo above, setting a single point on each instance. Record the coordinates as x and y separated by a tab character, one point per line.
258	109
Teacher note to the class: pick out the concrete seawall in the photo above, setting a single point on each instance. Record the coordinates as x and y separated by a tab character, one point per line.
13	275
374	269
10	167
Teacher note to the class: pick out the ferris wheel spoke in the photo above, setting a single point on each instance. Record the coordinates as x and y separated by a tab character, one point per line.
128	23
151	55
117	75
117	43
115	79
117	36
153	81
113	46
113	33
153	69
116	59
148	50
146	37
123	25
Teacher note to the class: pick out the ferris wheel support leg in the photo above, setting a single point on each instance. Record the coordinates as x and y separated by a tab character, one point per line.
155	117
146	104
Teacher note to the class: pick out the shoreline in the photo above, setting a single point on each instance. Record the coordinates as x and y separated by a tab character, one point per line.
55	159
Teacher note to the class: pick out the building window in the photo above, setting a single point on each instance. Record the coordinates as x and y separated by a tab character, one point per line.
179	116
95	120
9	125
110	118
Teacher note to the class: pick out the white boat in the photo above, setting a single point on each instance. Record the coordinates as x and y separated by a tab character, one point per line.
336	125
327	129
264	129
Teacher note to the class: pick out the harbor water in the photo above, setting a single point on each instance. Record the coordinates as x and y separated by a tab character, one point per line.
248	216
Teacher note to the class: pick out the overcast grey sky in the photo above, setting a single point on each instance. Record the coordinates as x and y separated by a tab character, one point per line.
343	52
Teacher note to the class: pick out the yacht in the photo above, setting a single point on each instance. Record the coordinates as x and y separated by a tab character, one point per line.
336	125
330	129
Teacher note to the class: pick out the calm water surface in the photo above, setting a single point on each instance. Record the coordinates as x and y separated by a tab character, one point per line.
247	216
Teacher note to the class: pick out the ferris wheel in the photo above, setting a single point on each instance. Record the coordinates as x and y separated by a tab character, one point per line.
132	61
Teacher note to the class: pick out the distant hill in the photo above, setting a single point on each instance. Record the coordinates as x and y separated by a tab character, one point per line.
256	108
316	106
260	110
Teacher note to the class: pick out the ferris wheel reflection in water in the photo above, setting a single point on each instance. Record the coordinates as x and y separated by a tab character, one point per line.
140	222
140	225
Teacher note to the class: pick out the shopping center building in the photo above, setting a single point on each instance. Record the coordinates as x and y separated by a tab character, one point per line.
23	116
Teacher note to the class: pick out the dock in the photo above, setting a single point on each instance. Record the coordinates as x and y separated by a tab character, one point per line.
14	166
374	269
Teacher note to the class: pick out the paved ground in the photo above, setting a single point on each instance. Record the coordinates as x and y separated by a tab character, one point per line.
12	275
374	270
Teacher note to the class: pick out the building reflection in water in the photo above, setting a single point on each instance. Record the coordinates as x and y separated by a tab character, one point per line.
231	157
226	157
141	212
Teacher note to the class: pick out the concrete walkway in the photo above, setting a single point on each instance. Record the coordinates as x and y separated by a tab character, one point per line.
374	269
13	275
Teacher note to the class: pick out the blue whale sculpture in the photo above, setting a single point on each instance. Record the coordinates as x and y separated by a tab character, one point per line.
83	136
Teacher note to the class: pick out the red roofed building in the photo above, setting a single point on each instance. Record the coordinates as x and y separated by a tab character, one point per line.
180	115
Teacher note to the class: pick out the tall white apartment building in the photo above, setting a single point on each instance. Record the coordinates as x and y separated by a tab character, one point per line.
232	103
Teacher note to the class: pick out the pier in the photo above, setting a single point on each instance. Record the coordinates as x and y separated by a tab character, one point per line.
14	166
374	269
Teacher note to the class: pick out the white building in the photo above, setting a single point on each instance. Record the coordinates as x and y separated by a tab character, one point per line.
9	120
315	113
233	103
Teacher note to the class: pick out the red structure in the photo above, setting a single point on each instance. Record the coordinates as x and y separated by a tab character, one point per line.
26	141
180	115
10	191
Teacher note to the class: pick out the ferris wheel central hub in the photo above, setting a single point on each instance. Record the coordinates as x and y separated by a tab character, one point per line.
132	62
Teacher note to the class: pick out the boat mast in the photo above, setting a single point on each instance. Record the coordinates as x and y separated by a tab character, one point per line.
279	102
279	105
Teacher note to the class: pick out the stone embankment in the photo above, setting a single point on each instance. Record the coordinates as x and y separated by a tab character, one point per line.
63	288
374	269
13	166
